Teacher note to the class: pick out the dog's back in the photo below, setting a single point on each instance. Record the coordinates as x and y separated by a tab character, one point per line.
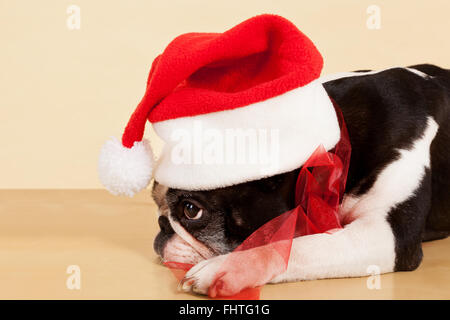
392	106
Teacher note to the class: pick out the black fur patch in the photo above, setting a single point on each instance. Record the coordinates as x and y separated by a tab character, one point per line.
231	214
407	221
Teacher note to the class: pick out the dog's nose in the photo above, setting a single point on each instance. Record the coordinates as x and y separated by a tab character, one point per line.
164	224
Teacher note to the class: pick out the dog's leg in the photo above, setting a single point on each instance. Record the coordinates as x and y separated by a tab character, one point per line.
349	252
399	196
346	253
391	241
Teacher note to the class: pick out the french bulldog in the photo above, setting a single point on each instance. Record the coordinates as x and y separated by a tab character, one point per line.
397	193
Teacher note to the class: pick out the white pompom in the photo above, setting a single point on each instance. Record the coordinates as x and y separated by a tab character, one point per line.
125	171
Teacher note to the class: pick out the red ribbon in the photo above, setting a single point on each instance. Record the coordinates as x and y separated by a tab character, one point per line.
318	194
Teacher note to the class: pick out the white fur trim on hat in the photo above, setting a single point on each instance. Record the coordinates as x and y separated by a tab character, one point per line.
125	171
297	121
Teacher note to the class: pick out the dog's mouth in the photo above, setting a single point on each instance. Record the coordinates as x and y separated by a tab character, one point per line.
178	250
180	246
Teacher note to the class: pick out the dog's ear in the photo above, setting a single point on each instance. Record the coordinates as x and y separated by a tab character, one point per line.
159	194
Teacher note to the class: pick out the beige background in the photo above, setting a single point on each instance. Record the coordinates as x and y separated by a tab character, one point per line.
63	92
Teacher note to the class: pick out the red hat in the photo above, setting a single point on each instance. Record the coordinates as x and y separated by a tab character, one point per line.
259	76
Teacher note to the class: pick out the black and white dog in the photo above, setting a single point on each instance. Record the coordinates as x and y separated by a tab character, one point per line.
397	194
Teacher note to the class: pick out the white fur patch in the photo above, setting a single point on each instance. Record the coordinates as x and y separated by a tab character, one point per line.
368	240
419	73
397	182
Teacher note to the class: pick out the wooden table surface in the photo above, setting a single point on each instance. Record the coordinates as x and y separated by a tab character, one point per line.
43	232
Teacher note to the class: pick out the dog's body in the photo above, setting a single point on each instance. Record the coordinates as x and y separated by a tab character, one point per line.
397	192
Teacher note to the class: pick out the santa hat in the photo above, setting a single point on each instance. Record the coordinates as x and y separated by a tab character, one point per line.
260	75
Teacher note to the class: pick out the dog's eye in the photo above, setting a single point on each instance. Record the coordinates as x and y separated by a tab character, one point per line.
191	211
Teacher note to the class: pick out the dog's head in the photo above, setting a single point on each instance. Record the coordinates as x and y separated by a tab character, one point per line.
197	225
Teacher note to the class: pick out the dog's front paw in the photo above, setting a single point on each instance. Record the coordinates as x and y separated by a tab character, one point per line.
229	274
201	276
